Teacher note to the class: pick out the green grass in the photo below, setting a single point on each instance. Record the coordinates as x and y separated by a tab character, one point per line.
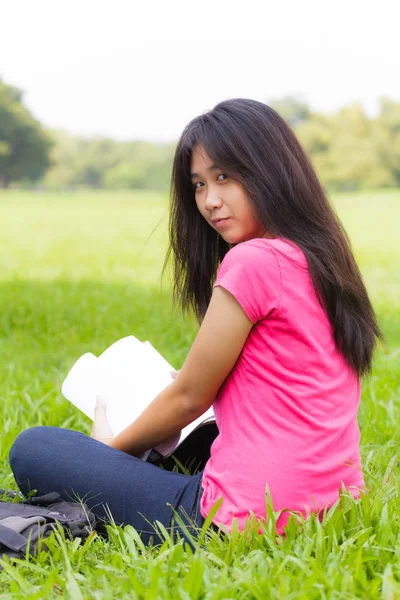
79	271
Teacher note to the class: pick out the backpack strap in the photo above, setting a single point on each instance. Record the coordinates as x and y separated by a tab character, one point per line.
11	539
45	500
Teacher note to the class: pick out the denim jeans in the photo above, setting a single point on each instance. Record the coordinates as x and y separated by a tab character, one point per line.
50	459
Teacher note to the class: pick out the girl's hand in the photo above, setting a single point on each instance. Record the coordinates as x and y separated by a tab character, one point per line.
101	430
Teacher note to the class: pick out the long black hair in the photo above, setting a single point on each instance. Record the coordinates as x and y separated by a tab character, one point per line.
250	142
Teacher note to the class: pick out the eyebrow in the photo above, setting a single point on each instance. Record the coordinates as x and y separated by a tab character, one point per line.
212	168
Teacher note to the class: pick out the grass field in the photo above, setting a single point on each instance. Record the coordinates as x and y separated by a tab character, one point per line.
78	271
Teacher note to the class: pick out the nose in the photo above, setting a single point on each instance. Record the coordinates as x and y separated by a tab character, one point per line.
213	200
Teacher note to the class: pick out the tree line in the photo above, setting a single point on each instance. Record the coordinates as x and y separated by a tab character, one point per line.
349	149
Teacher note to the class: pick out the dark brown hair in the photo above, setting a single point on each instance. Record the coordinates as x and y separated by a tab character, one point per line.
250	142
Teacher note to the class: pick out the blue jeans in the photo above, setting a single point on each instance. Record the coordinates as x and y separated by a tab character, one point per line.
50	459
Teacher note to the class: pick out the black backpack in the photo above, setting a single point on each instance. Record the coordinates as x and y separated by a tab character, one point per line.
23	522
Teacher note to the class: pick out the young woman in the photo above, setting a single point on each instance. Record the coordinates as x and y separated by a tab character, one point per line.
286	332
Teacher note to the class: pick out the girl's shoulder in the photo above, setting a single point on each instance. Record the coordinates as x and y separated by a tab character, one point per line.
279	247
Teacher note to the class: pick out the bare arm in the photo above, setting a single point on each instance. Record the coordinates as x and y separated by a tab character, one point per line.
212	356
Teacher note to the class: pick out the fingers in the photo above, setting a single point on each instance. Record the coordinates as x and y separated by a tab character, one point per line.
101	429
100	409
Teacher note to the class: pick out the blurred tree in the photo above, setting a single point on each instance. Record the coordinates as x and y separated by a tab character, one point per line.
388	136
292	108
146	166
349	150
24	145
81	161
102	162
4	148
344	149
96	156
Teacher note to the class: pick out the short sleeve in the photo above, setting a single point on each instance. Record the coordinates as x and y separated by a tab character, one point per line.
250	271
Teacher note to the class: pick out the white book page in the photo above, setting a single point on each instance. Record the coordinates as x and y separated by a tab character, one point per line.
79	387
131	375
128	375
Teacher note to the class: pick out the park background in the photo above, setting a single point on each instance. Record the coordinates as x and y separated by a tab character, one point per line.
84	176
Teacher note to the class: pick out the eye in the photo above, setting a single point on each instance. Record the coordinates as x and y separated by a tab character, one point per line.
222	175
195	185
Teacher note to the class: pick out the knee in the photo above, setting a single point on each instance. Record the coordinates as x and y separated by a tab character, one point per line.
26	445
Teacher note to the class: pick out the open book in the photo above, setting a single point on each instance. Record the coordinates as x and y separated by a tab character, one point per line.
128	375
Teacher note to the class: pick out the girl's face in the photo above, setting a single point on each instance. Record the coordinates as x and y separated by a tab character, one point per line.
218	196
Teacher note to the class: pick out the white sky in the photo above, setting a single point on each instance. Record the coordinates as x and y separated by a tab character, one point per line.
142	70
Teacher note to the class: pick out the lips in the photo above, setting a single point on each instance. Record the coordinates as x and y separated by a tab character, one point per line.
221	224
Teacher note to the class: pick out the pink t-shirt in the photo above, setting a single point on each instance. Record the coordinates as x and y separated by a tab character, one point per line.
287	412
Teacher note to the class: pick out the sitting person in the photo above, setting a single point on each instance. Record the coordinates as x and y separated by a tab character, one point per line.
286	330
